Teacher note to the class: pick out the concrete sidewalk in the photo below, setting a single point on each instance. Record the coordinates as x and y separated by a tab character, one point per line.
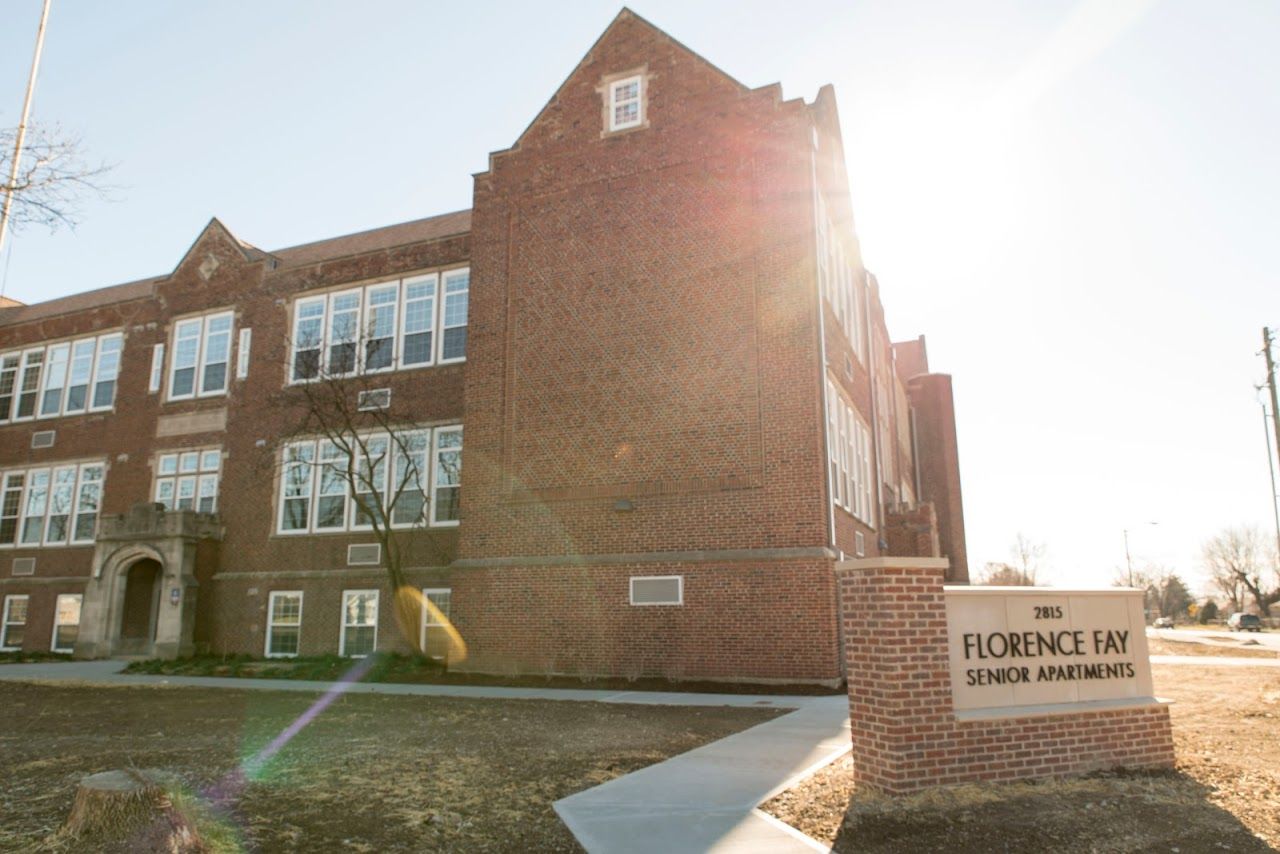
108	673
703	800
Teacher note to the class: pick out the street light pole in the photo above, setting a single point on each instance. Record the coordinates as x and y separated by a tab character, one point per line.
22	125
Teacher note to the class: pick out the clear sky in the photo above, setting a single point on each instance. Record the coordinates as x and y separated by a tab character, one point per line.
1077	201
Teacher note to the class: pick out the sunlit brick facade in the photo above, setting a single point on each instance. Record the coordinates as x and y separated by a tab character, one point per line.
651	342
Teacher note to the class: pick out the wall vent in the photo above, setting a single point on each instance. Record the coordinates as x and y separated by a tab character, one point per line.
24	566
657	590
374	400
859	544
43	438
364	554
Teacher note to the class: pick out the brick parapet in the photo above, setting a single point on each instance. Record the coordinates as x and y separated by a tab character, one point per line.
906	734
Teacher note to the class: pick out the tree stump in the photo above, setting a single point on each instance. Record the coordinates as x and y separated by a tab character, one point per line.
133	809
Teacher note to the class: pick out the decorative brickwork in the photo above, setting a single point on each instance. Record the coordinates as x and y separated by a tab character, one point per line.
906	735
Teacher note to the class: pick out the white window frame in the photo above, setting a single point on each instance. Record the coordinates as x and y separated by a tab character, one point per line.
631	591
203	322
6	622
377	614
92	362
615	102
435	475
440	298
78	484
427	623
197	477
57	608
272	624
156	379
313	467
242	353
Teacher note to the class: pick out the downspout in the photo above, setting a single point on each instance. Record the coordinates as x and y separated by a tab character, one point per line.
875	419
822	354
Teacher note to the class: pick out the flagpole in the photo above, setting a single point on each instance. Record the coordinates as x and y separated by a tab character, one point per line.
22	127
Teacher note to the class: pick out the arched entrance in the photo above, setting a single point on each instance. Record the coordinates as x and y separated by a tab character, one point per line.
141	606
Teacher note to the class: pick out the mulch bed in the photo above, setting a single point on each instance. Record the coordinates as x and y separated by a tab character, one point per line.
370	773
1224	796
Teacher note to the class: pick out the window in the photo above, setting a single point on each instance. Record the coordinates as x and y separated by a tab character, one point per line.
657	590
201	354
284	623
453	323
849	456
66	622
837	280
14	625
359	623
188	480
413	322
68	378
625	103
435	619
157	368
242	354
52	506
446	479
395	472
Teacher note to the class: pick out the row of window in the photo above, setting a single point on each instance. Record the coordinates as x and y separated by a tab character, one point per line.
52	506
67	378
188	480
409	323
837	280
66	622
358	635
849	450
413	477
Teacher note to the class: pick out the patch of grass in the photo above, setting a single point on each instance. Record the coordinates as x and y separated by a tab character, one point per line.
33	657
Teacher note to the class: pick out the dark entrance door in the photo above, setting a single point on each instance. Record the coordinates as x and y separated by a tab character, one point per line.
141	602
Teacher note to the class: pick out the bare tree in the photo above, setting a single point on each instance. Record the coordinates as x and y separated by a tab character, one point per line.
348	435
54	176
1028	556
1004	575
1238	558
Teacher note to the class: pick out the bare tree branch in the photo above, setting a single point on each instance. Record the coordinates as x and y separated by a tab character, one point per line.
54	177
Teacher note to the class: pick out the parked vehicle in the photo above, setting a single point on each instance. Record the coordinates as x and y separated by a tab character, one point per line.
1244	623
1163	623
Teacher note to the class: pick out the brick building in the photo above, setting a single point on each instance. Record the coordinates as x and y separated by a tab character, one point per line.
680	402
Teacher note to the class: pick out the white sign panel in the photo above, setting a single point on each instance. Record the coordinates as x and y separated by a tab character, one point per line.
1030	646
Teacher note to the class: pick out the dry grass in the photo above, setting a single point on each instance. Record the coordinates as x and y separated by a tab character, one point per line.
371	773
1225	794
1212	647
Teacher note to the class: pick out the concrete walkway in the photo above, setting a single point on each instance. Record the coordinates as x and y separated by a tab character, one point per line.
703	800
1215	660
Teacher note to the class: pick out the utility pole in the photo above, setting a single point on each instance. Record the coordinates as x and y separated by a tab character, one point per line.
21	135
1267	338
1271	469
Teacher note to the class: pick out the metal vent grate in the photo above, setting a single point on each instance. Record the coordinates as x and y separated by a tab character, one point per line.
374	399
43	438
24	566
364	554
657	590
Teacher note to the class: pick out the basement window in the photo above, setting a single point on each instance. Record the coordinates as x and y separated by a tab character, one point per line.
657	590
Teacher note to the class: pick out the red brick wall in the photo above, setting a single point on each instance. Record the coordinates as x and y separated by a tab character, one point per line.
644	322
741	620
905	734
939	461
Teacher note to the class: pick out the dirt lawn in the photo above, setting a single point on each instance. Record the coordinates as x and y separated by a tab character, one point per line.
370	773
1224	796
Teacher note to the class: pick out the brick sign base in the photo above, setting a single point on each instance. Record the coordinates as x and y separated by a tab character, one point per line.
907	735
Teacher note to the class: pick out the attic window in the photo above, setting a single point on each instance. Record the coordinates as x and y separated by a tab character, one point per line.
626	104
